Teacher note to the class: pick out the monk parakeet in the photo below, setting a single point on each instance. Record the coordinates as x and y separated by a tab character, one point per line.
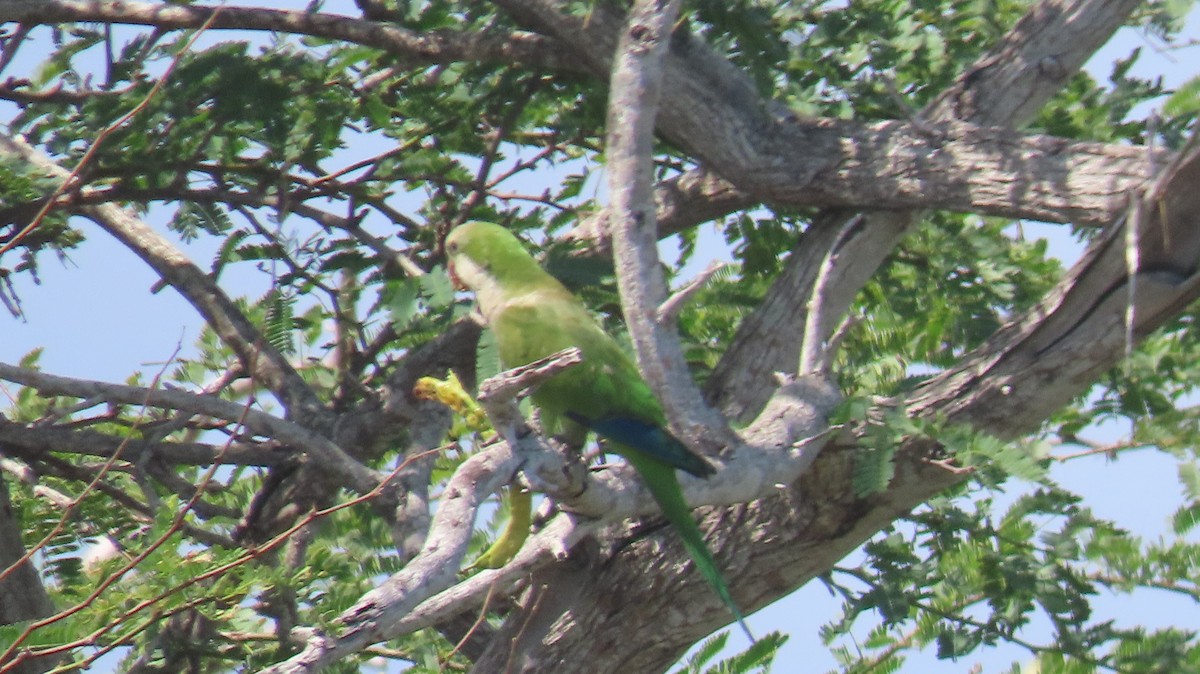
533	316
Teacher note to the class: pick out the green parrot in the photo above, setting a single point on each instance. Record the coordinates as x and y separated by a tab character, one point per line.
532	316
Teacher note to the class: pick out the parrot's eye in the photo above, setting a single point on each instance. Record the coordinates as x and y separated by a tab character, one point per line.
452	247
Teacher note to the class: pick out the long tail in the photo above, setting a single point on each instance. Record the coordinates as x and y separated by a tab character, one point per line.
664	485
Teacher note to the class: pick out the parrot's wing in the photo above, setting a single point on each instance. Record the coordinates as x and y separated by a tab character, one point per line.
650	439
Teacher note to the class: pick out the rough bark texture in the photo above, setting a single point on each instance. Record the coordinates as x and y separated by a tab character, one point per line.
1008	85
600	594
779	543
1034	364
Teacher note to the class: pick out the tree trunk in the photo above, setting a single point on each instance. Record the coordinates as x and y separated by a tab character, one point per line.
22	596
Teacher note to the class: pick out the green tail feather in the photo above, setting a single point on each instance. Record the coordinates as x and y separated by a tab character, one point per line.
664	485
502	551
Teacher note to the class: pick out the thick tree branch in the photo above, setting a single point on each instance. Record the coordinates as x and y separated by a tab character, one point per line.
633	101
1067	31
946	165
45	439
552	543
427	47
434	569
1051	42
1042	359
22	596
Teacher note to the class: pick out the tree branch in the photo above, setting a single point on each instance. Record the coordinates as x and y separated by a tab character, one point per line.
434	569
94	443
350	472
668	311
428	47
23	598
633	100
257	357
681	202
1012	72
961	167
1041	359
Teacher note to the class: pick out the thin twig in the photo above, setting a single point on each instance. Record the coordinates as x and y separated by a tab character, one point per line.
12	43
105	133
353	473
669	310
248	556
482	616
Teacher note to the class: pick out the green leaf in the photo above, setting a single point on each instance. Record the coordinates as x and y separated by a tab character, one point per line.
400	299
1185	100
1189	476
1186	518
708	651
757	658
192	218
279	322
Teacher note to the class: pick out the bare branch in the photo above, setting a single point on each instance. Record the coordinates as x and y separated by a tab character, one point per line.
814	354
198	288
434	569
504	387
550	544
1016	84
633	103
93	443
669	310
333	458
425	47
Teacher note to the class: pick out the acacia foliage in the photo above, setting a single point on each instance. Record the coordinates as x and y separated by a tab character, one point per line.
329	155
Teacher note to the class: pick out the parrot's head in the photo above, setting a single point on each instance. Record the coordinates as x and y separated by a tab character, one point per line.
482	256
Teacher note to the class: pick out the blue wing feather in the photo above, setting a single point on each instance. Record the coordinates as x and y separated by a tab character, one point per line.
647	438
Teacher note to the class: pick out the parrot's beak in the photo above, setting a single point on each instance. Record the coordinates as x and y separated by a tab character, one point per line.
454	279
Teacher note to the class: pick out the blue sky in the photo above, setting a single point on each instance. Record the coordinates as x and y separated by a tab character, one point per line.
96	318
